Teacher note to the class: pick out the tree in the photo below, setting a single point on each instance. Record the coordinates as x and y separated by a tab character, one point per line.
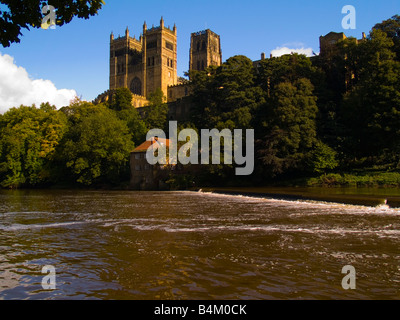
28	140
137	126
97	145
226	96
23	14
371	111
121	99
323	158
290	128
392	29
157	112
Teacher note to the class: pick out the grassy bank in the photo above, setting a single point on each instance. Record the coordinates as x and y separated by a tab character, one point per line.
363	179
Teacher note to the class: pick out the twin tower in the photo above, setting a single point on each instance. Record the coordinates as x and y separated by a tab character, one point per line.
150	62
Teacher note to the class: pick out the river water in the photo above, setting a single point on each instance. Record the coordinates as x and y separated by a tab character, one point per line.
193	245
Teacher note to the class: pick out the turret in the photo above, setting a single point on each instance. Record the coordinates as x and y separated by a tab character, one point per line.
144	27
127	32
112	37
162	23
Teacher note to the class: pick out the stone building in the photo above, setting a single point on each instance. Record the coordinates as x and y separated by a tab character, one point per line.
205	50
327	43
145	64
143	175
150	62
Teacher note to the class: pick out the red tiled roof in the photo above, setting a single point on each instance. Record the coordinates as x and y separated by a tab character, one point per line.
154	141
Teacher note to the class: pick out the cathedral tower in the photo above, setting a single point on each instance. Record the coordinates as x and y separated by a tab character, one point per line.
146	64
205	50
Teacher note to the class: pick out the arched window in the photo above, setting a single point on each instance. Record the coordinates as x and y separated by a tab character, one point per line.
202	65
203	45
198	65
136	86
198	46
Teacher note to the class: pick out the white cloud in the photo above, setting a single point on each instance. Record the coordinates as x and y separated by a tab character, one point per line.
16	88
280	51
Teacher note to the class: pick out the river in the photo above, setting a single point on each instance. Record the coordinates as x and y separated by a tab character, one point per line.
193	245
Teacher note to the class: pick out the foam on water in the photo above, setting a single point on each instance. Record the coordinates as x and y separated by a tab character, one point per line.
348	208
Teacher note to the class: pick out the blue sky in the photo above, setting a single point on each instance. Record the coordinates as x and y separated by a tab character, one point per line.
76	56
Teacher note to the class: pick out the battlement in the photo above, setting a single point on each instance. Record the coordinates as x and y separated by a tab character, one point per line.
204	32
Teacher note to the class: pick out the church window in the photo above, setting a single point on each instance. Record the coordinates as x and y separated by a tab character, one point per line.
152	44
169	45
136	86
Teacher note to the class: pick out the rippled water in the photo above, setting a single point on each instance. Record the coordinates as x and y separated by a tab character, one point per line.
188	245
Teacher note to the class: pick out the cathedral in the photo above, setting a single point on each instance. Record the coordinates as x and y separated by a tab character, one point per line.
150	62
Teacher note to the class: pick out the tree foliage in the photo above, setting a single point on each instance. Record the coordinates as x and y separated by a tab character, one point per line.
29	137
156	116
24	14
226	96
338	111
97	145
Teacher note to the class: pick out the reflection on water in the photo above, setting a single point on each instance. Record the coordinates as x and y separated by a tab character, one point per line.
188	245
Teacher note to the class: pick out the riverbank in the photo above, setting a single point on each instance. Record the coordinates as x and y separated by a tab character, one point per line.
371	197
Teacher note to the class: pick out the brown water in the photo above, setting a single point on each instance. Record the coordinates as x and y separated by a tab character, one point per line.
190	245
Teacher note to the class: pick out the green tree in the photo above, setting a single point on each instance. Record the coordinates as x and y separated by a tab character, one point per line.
121	102
23	14
28	140
226	96
392	29
121	99
97	145
323	158
137	126
371	111
290	127
156	116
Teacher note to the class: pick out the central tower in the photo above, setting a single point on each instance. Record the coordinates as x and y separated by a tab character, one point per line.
205	50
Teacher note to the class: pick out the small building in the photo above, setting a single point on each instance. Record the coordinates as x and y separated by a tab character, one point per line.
145	176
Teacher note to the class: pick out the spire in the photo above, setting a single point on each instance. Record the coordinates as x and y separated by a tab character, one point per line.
127	32
174	29
162	22
112	36
144	27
